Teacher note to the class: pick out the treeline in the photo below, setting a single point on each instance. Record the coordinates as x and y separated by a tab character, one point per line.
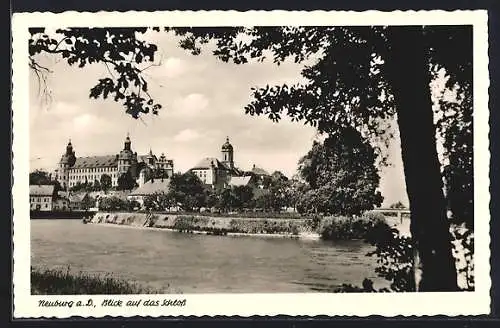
187	192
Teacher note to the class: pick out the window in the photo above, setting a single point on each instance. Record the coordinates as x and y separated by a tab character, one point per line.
46	205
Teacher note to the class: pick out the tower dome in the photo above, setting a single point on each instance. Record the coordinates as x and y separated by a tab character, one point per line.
69	156
228	154
227	145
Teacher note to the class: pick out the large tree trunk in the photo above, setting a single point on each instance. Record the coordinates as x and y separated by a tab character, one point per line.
409	74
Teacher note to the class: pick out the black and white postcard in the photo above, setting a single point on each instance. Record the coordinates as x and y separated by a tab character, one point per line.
250	163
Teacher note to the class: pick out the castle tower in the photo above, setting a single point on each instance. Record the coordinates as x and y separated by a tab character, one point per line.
228	154
68	159
126	157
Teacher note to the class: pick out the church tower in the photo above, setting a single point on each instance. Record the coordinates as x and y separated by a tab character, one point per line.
68	159
228	154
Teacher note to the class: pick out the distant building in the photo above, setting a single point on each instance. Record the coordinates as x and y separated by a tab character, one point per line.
217	173
73	170
242	181
151	187
42	197
76	201
261	178
61	202
223	173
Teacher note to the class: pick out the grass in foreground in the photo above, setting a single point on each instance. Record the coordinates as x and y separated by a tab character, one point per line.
60	282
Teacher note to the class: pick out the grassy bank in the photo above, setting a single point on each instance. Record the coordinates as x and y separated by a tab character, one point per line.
65	282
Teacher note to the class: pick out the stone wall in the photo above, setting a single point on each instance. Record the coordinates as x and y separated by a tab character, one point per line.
208	224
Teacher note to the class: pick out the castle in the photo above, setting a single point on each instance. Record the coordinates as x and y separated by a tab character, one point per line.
73	170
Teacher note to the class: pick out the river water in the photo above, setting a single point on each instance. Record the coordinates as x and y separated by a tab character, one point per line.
190	263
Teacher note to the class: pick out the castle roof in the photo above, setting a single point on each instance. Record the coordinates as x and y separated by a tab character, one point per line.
143	158
239	181
258	171
151	187
207	162
95	161
41	190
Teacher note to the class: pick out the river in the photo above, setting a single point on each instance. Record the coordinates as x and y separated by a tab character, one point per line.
190	263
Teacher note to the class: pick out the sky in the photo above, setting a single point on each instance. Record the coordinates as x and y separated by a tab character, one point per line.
203	102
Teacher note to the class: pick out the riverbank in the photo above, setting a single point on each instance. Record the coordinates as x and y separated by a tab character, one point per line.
65	282
208	225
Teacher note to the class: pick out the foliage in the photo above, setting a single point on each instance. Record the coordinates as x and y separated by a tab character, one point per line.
265	226
41	177
347	228
242	196
105	182
394	254
87	202
59	282
340	176
126	181
463	249
398	205
123	54
187	190
114	203
455	127
394	257
86	186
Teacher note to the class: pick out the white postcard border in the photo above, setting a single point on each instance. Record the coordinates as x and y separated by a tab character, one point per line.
390	304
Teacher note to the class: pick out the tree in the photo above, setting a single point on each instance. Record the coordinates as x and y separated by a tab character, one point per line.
281	190
187	189
87	202
360	78
363	76
225	200
340	175
151	202
105	182
398	205
117	48
96	186
211	198
241	196
126	181
40	177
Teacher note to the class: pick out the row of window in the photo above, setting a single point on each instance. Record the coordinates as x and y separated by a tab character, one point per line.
90	177
95	169
40	199
72	184
38	206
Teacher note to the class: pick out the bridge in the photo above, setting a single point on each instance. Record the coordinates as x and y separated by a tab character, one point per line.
394	212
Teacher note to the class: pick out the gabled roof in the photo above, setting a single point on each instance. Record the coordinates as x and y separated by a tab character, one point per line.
144	158
151	187
239	181
95	161
259	171
41	190
206	163
238	172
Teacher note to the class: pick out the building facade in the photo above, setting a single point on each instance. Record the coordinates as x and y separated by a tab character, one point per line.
215	172
42	197
74	170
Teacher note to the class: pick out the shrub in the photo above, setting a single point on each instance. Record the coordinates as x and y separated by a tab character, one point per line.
342	227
